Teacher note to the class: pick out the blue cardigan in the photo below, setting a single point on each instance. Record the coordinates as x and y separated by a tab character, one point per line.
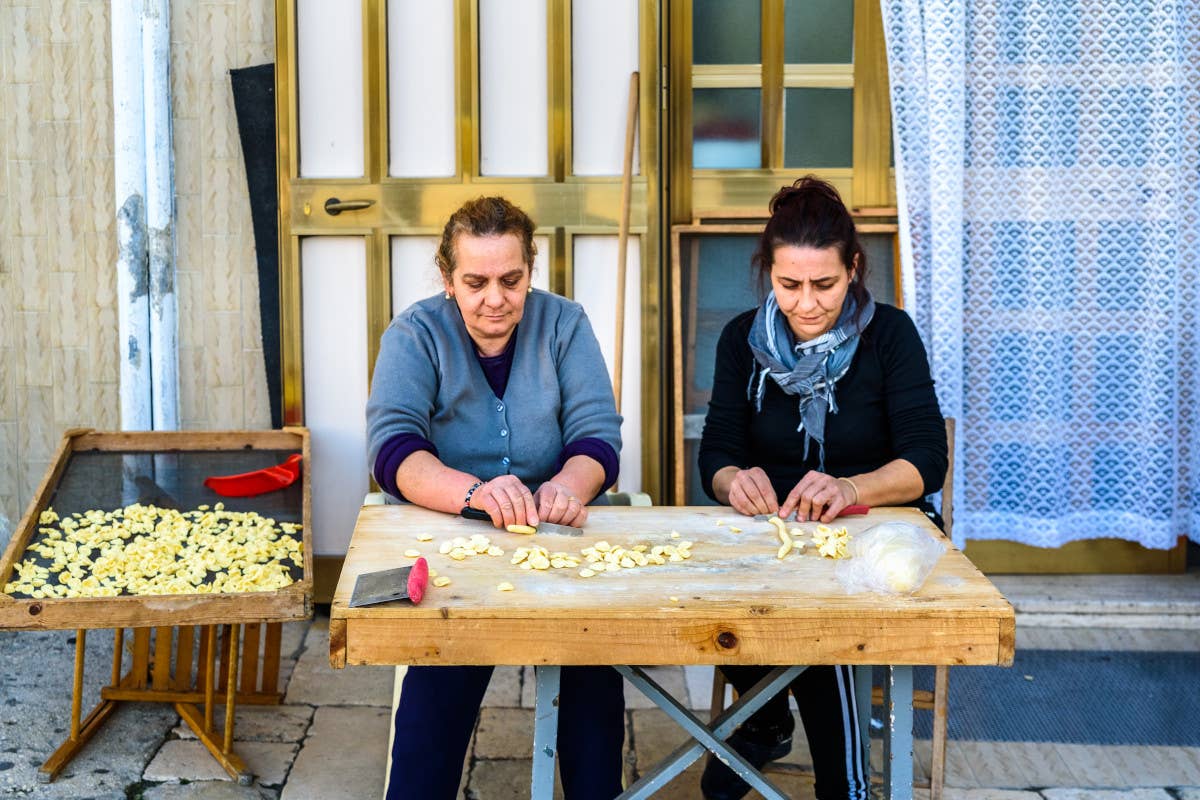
428	382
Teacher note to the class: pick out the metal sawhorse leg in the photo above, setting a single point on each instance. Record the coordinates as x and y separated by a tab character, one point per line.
897	741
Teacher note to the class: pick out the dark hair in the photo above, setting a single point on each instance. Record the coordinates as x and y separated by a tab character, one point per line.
810	213
485	216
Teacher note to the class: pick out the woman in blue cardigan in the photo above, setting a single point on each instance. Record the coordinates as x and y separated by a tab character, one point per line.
495	396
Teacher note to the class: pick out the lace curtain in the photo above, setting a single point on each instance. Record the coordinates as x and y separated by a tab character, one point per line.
1048	167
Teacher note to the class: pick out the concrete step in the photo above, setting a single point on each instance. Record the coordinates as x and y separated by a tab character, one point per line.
1144	601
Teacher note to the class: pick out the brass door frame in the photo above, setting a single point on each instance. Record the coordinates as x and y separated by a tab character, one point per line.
731	200
563	205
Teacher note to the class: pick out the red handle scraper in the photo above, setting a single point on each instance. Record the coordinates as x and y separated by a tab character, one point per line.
260	481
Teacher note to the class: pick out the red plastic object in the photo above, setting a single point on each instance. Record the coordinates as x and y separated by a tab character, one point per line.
854	511
260	481
418	579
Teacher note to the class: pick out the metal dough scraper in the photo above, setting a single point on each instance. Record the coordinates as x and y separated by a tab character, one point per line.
401	583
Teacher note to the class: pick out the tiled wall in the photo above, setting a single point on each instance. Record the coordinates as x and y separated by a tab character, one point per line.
58	314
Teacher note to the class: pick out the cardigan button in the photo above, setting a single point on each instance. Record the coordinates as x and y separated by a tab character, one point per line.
504	432
499	406
506	461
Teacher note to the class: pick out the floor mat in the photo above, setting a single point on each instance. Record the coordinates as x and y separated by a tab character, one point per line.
1075	696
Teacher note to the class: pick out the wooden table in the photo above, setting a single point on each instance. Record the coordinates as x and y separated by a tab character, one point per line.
732	602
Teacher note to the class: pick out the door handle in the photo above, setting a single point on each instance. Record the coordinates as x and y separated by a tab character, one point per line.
333	206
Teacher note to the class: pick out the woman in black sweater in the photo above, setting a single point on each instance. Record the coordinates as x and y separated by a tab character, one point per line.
821	399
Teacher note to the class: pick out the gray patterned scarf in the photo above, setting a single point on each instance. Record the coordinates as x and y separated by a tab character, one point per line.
806	369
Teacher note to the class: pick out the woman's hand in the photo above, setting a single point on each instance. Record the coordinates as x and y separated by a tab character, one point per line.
750	492
507	502
556	503
817	497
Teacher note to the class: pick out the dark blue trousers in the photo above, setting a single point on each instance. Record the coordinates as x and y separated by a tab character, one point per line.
437	712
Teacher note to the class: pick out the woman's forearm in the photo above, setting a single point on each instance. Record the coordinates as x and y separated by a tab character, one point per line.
896	483
582	476
721	481
424	480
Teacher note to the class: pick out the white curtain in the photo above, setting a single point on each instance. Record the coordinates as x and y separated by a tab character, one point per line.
1048	167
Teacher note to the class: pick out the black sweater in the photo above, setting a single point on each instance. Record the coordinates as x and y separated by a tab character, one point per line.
886	410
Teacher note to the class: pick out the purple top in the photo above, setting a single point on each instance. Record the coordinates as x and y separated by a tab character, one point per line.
496	369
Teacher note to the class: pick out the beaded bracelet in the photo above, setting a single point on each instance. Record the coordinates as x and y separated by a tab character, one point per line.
471	491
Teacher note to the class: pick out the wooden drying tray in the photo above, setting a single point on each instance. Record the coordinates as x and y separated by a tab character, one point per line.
195	651
292	602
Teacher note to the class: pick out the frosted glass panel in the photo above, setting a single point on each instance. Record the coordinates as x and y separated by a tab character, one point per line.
604	48
512	87
421	80
330	86
414	275
818	127
726	31
716	284
541	263
595	259
881	266
333	275
818	32
725	133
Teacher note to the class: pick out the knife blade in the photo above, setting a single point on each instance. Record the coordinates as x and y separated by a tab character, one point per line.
848	511
542	527
558	530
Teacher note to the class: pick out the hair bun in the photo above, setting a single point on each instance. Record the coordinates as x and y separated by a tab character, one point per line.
805	189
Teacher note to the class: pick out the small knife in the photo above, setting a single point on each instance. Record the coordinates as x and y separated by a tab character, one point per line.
542	527
848	511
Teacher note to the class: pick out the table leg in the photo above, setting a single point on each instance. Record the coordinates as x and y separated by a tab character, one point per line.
77	689
897	739
545	732
711	738
863	676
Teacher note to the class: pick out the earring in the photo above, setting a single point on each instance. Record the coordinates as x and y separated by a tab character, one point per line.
449	296
530	289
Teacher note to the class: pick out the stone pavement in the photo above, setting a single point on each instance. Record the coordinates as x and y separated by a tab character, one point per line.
329	738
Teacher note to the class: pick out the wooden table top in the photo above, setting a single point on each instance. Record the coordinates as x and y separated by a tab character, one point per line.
735	602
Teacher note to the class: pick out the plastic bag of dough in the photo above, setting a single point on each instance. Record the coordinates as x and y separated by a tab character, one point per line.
890	558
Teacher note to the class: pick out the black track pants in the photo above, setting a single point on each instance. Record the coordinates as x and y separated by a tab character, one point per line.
825	696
